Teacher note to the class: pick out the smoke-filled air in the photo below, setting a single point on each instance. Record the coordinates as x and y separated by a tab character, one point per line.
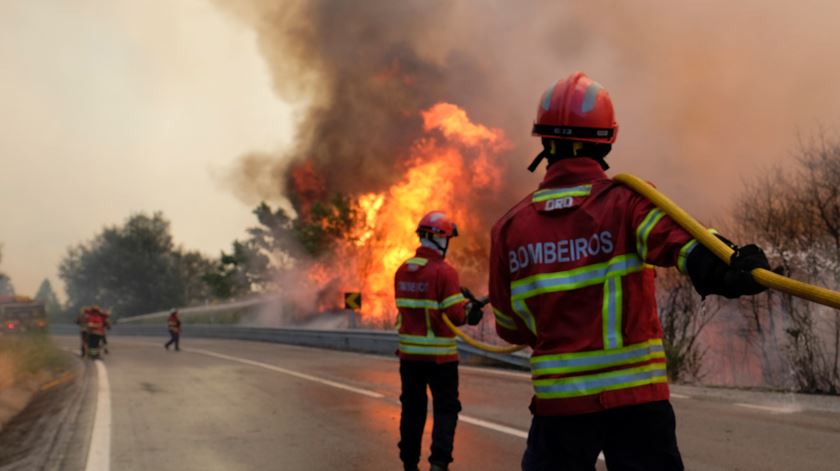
418	105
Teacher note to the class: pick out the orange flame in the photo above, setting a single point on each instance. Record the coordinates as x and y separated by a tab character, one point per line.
435	177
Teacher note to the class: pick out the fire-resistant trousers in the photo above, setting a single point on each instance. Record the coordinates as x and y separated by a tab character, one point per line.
633	438
84	336
442	379
174	337
93	344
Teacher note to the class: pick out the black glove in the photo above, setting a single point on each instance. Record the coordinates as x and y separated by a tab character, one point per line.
710	275
474	313
474	306
743	261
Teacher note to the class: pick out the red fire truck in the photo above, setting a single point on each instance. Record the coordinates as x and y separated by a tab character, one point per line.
19	314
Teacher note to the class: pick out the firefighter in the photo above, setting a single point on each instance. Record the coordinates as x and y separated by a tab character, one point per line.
96	329
174	325
81	321
427	287
571	276
106	319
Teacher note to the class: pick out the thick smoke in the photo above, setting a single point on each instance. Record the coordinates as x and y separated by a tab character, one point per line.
705	93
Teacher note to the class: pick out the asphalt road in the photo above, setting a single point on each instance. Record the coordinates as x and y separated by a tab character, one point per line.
232	405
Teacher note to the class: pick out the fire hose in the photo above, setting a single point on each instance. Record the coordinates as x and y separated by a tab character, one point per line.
480	345
764	277
478	303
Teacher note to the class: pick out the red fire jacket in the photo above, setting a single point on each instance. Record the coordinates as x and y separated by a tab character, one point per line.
174	324
571	276
95	323
426	287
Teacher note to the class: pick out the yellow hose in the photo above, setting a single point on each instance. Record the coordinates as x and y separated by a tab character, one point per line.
766	278
479	345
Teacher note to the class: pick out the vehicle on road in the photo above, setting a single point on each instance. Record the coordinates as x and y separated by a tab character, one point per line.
21	314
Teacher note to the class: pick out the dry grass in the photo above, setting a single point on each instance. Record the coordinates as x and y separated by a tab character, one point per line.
22	356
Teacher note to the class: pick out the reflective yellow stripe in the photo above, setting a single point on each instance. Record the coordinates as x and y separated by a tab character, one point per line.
419	303
564	363
643	231
685	251
434	351
429	332
504	320
417	261
576	386
399	321
521	309
427	345
573	279
413	303
611	313
426	340
452	300
555	193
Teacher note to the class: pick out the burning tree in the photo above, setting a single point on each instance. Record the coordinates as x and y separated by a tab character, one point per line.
356	242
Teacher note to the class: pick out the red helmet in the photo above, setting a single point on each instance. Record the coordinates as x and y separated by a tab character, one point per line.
576	108
437	224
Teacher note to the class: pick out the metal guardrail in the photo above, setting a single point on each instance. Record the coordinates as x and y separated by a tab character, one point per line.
355	340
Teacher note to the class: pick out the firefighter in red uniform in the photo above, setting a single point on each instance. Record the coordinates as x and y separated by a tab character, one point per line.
571	276
174	325
106	319
96	329
81	321
426	288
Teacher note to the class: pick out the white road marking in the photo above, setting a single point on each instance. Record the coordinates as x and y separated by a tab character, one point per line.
501	428
335	384
679	396
493	426
99	453
497	372
781	409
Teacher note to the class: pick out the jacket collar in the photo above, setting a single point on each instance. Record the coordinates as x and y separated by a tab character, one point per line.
571	172
426	252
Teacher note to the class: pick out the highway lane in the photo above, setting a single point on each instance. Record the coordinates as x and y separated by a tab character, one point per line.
232	405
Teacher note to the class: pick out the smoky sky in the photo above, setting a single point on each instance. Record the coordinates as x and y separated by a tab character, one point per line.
706	94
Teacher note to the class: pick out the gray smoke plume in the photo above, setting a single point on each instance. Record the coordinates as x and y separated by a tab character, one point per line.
704	92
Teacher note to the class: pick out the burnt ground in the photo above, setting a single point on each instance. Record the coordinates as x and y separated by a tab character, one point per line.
51	432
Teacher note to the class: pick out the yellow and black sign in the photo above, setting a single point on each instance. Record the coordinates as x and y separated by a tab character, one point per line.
353	301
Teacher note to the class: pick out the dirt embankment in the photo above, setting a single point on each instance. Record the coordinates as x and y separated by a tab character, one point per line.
27	362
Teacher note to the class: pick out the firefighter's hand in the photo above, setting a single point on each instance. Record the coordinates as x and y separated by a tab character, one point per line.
738	278
474	313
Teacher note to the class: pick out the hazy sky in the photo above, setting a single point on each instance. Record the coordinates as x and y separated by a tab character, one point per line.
118	106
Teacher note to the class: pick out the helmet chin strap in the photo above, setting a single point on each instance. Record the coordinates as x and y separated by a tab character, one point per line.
440	244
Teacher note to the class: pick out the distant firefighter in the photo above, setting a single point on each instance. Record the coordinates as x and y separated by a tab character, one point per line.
95	322
81	321
106	317
174	325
